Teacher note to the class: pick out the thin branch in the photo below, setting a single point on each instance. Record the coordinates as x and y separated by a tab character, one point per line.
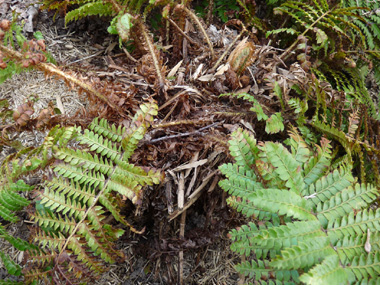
194	196
196	20
198	132
129	55
152	52
181	122
52	69
182	32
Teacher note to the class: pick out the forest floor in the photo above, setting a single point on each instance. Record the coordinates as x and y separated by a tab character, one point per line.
151	258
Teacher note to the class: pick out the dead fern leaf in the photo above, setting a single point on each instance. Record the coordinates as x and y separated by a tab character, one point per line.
22	114
242	56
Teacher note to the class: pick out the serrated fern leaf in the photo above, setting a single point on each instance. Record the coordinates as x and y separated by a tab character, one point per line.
249	209
327	186
350	247
328	272
334	133
140	123
99	144
336	247
315	168
281	202
111	132
91	178
98	8
85	160
364	266
87	185
240	180
299	148
11	266
73	189
260	269
244	232
346	201
288	169
274	124
305	254
243	148
287	235
354	224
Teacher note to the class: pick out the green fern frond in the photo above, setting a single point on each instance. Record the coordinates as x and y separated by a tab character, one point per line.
244	248
317	165
328	272
98	8
99	144
328	185
74	202
244	232
346	201
282	30
106	130
12	170
354	224
11	266
260	269
242	148
137	130
299	148
281	202
286	235
336	134
240	179
305	254
274	124
350	247
286	167
325	226
247	208
364	266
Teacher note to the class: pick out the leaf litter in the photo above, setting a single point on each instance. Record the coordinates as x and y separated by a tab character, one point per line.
188	140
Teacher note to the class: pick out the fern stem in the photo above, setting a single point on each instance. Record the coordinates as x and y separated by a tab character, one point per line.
196	20
180	255
182	32
182	122
151	48
129	55
51	69
209	13
115	5
285	55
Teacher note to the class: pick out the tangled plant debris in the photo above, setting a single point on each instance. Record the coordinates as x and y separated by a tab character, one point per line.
164	95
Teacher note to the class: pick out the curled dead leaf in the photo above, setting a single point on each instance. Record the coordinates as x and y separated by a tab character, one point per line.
242	56
43	118
41	44
22	114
